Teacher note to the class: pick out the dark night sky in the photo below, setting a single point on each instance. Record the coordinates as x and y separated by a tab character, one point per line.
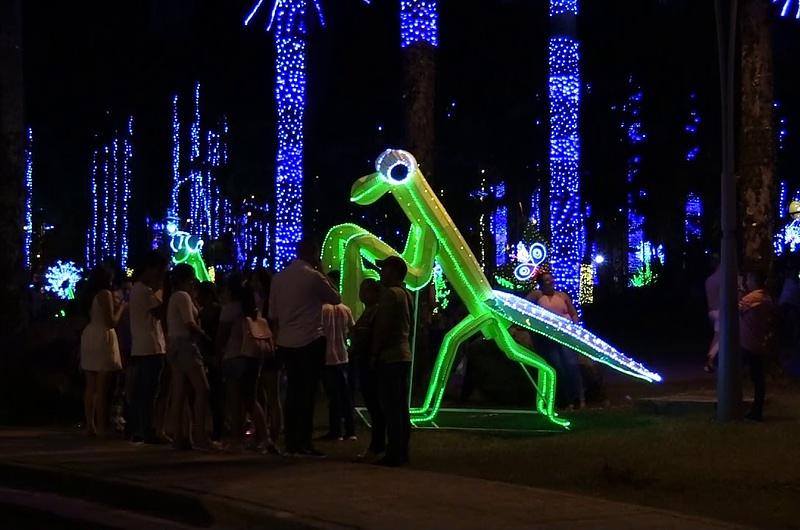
90	63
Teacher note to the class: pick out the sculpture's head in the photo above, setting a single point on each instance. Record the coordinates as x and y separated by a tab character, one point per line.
396	169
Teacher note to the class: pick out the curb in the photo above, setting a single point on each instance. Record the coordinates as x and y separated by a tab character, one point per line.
198	510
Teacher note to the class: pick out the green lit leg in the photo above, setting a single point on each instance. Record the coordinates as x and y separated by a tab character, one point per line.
546	391
444	366
333	247
347	246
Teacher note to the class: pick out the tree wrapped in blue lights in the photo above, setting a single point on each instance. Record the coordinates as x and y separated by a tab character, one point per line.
110	189
290	22
419	38
566	216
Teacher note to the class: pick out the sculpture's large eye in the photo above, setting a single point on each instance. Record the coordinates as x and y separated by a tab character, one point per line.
396	166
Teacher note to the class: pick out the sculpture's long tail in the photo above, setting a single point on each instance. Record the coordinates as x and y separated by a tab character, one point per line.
538	320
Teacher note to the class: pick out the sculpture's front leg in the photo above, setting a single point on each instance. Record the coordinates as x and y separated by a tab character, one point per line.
348	246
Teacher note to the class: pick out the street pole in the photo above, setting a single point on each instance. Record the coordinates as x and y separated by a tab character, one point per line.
729	384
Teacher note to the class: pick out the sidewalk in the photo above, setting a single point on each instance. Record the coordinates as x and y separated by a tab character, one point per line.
206	489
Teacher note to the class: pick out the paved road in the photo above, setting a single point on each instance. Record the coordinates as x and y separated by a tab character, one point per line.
204	489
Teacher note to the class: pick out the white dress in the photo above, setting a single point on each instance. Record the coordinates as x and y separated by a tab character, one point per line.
99	346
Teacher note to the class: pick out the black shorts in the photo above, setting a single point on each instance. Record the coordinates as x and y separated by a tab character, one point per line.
244	370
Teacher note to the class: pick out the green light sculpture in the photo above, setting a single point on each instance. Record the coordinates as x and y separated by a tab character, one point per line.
187	248
434	238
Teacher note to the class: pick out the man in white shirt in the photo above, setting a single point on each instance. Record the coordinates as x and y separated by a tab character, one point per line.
337	321
148	347
296	298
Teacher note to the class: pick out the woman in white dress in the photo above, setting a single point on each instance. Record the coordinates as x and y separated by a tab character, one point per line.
99	349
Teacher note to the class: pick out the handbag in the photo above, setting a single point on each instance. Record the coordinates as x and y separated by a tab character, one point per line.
257	336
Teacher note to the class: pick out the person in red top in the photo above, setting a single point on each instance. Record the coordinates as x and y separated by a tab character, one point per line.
756	333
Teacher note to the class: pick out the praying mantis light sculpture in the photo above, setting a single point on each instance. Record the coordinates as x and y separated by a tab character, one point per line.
434	238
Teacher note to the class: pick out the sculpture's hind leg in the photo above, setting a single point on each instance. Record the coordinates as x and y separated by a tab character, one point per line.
444	366
546	388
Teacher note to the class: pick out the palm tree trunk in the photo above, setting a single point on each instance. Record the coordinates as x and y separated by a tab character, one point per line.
419	95
756	135
12	318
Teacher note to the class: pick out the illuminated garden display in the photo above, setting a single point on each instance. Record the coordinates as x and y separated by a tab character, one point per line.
62	278
526	261
433	238
187	248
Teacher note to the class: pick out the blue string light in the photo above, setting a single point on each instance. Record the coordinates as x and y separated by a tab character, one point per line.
91	238
566	219
536	207
419	22
783	197
110	188
28	228
196	211
635	136
127	146
692	129
253	235
694	218
499	226
210	213
789	8
176	157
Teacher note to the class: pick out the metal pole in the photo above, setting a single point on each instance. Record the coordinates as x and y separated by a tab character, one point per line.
729	385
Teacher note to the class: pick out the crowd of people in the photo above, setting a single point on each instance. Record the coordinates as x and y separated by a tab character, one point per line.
237	365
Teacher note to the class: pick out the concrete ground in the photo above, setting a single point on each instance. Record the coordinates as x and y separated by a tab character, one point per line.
202	489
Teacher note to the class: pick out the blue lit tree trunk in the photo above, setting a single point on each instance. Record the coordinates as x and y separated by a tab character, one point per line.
419	37
566	218
290	95
290	20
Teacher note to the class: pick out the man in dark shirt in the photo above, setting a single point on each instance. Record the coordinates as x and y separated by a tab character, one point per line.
392	350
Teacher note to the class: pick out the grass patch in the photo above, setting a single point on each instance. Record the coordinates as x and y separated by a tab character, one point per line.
744	472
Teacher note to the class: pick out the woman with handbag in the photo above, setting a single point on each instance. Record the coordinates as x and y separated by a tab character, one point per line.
243	339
